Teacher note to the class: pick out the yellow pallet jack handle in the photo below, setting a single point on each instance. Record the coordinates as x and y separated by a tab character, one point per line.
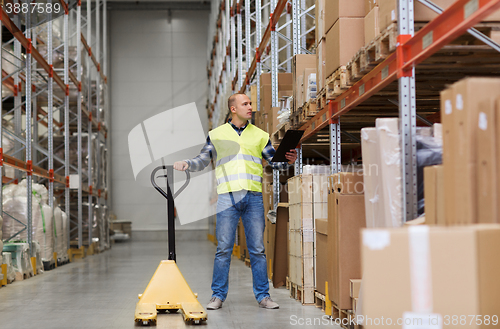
168	290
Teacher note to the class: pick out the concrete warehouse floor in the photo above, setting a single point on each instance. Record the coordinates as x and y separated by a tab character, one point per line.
101	292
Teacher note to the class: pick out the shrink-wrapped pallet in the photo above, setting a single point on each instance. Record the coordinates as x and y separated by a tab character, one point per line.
15	205
65	235
60	233
7	259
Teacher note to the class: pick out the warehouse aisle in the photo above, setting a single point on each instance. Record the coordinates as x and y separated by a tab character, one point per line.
101	292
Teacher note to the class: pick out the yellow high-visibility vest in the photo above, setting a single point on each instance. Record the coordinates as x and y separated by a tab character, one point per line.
239	158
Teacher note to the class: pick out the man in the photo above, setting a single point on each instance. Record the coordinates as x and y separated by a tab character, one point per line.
238	147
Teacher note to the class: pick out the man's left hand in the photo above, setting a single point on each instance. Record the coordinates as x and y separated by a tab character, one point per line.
291	156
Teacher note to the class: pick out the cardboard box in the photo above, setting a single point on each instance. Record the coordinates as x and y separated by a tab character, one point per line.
253	97
348	217
266	98
322	254
319	16
343	40
300	189
320	65
430	195
265	122
274	119
284	79
348	182
462	276
270	250
299	64
280	263
440	208
468	93
486	170
372	178
335	9
299	93
388	12
355	285
448	121
371	26
497	150
305	84
369	5
434	195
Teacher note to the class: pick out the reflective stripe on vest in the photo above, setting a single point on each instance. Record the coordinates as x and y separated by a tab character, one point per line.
229	178
246	157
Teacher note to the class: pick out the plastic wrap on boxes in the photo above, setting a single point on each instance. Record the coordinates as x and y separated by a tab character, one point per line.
38	254
58	232
429	153
7	259
64	255
390	167
40	193
42	223
9	191
311	88
372	178
15	206
15	218
20	258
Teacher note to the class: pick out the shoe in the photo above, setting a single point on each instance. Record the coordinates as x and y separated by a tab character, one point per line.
215	304
267	302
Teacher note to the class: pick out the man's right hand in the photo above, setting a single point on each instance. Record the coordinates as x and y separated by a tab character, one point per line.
181	165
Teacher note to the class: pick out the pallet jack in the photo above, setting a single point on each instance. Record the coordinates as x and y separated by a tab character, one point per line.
168	290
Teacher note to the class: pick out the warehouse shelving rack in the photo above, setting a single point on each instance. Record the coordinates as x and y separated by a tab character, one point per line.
399	76
37	82
237	46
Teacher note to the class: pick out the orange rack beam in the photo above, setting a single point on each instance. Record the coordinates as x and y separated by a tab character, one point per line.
37	171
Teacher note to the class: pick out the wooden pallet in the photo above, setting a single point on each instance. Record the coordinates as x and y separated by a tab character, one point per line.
368	57
354	69
296	292
287	283
308	110
24	276
319	300
278	135
247	262
336	84
321	99
345	318
383	45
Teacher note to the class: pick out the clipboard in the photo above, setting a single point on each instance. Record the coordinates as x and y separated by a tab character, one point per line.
289	142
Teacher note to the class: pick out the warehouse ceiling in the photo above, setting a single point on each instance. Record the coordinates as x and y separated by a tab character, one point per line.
159	4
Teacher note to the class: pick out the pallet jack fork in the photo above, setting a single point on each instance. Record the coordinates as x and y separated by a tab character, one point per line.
168	290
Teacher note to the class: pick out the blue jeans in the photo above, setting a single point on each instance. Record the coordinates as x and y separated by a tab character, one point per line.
249	206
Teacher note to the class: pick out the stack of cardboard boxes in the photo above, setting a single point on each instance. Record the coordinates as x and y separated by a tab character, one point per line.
339	34
346	217
471	150
427	274
267	117
307	201
302	67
